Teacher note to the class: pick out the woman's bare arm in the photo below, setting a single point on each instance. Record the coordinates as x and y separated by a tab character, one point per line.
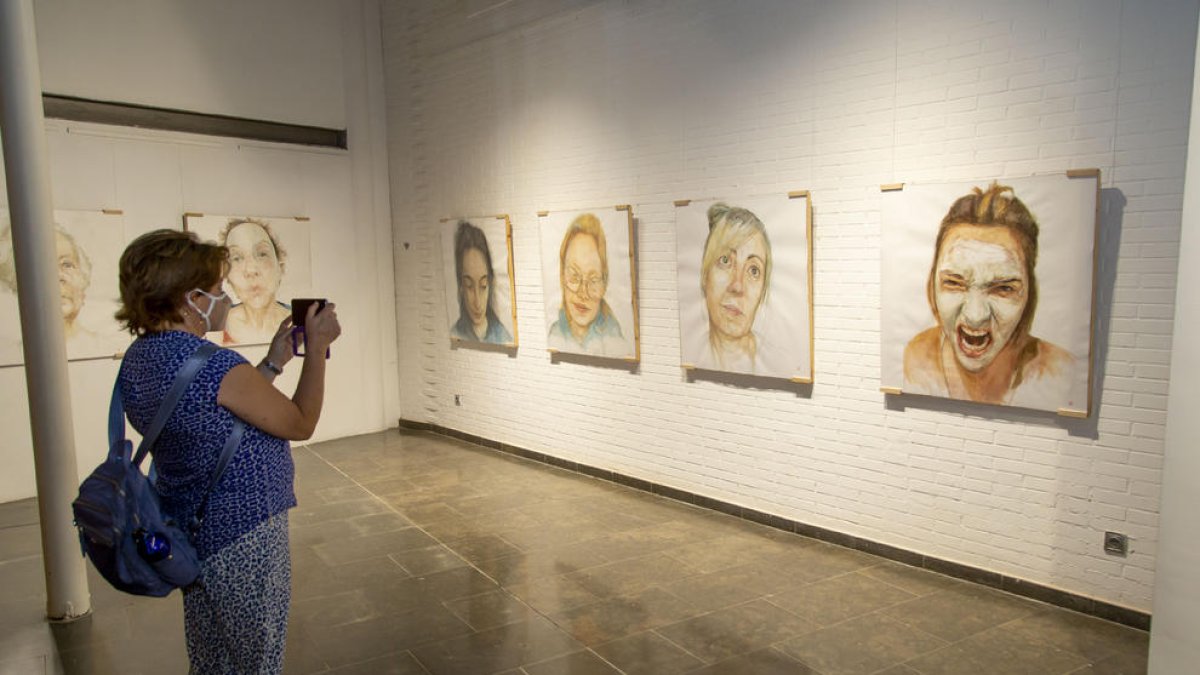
250	396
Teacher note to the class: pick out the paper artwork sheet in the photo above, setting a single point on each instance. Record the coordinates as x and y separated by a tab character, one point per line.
987	290
744	294
88	248
589	282
477	269
270	263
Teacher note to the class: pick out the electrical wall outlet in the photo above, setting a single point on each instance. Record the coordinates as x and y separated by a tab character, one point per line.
1116	543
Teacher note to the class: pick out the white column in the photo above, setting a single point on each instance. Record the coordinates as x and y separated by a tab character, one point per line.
1174	634
22	128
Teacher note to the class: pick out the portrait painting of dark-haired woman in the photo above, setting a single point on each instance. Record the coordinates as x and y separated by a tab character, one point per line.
477	256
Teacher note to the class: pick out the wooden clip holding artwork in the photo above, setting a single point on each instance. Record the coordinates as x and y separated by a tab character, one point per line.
112	212
801	380
798	194
891	187
891	391
443	220
192	214
687	366
1077	414
553	351
623	207
502	216
543	214
301	219
1083	173
682	202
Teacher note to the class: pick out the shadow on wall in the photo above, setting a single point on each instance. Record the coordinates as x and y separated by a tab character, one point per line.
1108	249
749	381
597	361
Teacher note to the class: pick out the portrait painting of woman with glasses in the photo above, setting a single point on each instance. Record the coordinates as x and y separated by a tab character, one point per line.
744	304
591	287
477	257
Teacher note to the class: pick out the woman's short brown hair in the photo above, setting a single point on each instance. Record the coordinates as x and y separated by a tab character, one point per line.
158	269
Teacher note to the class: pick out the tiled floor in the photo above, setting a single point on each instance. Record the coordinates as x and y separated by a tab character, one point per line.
418	554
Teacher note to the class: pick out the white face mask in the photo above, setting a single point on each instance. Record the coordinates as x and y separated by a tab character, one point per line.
212	304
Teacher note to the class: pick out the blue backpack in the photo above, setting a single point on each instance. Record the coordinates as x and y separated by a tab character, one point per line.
121	525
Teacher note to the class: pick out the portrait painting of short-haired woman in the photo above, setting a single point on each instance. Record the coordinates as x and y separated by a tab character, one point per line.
744	285
87	246
997	298
270	263
589	282
477	263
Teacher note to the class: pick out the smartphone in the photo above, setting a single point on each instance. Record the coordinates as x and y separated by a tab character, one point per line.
300	309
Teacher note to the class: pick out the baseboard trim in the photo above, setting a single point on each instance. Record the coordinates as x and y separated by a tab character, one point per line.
1016	586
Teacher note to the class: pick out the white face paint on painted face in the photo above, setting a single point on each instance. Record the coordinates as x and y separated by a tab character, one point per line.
980	289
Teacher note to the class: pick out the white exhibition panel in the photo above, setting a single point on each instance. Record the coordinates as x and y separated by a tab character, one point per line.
220	57
317	183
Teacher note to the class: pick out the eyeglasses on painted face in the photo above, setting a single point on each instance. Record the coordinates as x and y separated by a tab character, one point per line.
593	286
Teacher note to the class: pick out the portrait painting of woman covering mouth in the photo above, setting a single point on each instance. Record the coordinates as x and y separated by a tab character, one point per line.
744	285
270	263
477	266
589	282
1007	279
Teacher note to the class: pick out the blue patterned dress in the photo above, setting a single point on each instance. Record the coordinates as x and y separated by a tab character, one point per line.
235	615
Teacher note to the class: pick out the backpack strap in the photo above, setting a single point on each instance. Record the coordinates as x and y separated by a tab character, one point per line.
116	423
185	376
118	448
231	446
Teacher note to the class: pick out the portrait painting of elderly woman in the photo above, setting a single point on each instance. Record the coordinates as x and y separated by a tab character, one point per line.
744	285
270	263
988	291
589	282
477	265
87	246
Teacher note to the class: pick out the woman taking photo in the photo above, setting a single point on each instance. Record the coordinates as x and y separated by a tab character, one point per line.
235	614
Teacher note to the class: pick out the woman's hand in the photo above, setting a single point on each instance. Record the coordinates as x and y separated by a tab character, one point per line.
280	351
321	329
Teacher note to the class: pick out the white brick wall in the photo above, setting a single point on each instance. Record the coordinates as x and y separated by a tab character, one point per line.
538	105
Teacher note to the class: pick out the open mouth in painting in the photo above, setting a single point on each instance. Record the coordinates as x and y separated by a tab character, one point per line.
973	344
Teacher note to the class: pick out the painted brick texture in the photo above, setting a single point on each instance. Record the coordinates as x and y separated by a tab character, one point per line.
544	106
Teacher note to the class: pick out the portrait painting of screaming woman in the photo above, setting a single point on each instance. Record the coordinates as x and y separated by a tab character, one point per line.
987	290
745	303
